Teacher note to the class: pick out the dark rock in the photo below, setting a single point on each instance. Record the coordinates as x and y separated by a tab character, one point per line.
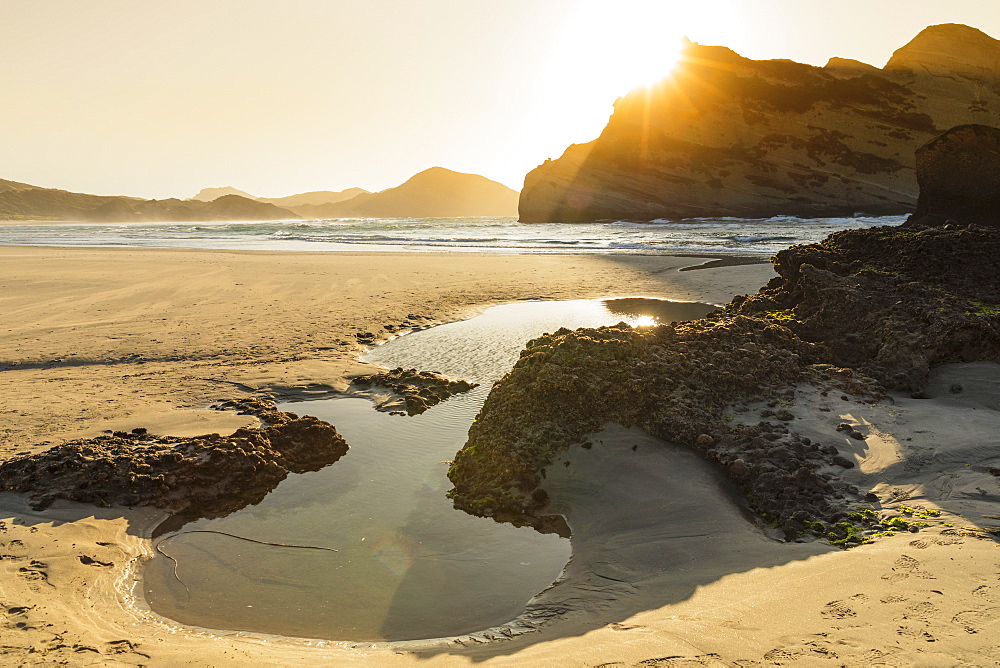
959	177
842	461
209	474
883	305
783	415
419	390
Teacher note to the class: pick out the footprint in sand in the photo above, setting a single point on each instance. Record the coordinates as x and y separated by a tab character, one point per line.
915	633
35	572
894	598
984	592
699	660
921	612
837	610
972	621
905	567
779	656
920	544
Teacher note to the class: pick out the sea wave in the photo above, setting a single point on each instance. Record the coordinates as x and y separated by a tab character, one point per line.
719	236
753	238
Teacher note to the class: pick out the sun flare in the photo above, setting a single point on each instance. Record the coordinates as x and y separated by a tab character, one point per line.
615	47
605	50
644	321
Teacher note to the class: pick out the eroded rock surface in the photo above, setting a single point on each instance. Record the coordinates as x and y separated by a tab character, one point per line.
730	136
417	390
859	311
890	302
204	475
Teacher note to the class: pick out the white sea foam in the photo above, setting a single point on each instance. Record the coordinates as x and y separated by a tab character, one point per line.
725	235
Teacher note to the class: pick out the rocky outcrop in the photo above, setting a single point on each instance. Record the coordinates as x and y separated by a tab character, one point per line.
889	302
674	382
959	177
862	311
200	476
730	136
415	391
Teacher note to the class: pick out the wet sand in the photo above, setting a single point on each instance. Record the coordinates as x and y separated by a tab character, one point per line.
96	339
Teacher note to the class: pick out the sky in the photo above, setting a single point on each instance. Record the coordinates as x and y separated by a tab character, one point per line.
162	99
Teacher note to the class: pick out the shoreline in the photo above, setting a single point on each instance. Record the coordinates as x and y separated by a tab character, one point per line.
52	586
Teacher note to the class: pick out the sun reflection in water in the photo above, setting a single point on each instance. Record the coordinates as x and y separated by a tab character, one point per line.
644	321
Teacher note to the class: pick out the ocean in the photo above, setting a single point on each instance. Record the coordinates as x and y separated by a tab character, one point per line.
723	236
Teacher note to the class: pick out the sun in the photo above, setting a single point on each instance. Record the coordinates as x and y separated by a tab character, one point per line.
621	45
613	47
605	48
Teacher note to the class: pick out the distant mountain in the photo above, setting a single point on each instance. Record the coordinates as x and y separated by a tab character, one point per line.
208	194
433	193
20	201
314	198
291	202
436	192
730	136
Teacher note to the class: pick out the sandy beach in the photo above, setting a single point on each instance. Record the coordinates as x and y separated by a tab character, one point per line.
98	339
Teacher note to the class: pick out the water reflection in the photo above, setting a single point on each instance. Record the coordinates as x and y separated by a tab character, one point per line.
638	311
409	566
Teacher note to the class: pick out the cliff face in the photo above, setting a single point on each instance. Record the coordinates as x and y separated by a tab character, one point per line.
730	136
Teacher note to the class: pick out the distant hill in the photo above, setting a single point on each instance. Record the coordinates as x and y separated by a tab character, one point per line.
313	198
6	186
433	193
20	201
209	194
436	192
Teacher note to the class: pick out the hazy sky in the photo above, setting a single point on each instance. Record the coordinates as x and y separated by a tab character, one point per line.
161	99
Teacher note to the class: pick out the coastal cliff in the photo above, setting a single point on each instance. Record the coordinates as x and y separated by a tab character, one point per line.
728	136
